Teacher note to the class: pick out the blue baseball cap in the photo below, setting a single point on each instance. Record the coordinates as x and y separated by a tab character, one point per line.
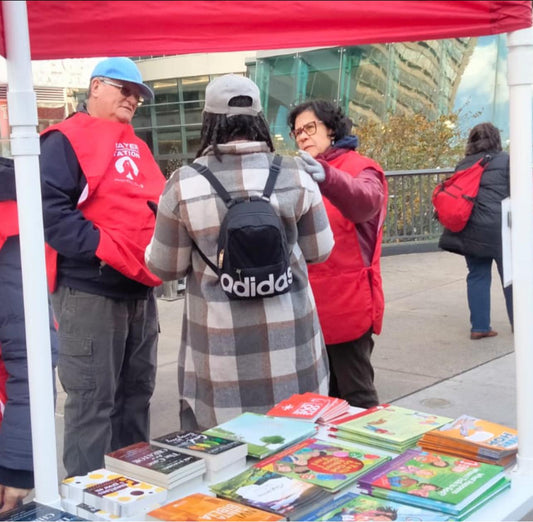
119	68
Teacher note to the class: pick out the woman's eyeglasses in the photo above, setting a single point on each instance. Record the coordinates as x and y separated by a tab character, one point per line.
308	128
125	90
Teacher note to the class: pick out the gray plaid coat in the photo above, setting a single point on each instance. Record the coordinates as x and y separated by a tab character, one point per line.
238	356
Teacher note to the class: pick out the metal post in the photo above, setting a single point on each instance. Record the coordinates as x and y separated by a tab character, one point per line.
22	107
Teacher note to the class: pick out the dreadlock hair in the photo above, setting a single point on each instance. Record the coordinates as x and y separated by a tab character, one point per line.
220	128
328	113
484	137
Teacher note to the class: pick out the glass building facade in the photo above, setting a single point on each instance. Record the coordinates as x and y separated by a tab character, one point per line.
370	82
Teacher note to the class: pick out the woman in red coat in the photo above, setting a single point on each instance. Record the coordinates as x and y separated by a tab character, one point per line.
347	287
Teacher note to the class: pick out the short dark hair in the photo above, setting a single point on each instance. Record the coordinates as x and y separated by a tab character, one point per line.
328	113
219	128
484	137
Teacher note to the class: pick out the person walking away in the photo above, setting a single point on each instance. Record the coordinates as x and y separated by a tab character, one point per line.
480	241
348	286
16	451
240	355
100	185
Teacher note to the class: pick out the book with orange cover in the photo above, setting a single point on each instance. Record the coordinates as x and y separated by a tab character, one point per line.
473	437
204	507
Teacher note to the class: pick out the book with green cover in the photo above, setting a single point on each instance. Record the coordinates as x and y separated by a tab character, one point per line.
388	427
443	483
264	435
329	465
269	491
352	506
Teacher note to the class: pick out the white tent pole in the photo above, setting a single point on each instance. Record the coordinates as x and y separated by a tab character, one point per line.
520	80
22	107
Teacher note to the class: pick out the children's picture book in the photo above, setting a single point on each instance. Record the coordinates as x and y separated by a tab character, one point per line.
329	465
218	453
452	485
269	491
124	496
199	506
37	511
352	506
388	427
310	406
263	434
160	466
474	438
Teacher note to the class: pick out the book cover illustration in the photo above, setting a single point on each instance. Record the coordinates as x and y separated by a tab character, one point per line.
310	406
352	506
271	492
205	507
489	439
327	464
72	487
124	496
197	441
37	511
154	458
264	435
432	480
388	426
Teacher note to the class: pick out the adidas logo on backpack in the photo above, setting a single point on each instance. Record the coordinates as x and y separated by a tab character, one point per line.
253	258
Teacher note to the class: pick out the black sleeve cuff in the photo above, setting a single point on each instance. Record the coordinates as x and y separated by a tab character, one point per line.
16	478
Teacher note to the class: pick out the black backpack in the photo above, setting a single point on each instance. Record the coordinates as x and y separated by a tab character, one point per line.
253	258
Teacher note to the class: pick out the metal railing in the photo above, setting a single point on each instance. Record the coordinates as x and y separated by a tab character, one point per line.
409	218
410	211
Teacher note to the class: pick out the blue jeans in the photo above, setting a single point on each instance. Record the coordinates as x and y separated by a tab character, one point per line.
478	283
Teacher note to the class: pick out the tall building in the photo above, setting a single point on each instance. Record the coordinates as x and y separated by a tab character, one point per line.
369	82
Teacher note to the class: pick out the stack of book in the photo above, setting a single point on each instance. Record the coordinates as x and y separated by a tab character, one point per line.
474	438
352	506
205	507
154	464
263	434
262	489
388	427
112	493
329	465
222	456
438	482
310	406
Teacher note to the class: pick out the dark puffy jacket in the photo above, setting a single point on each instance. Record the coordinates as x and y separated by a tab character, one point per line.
482	235
16	462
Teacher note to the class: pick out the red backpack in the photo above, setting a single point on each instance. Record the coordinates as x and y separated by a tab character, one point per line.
453	199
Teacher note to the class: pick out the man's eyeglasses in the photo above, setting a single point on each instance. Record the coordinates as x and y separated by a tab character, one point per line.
308	128
125	90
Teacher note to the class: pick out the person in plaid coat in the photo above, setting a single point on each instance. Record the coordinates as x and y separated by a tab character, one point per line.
247	355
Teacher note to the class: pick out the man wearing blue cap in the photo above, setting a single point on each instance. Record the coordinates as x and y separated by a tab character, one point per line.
100	186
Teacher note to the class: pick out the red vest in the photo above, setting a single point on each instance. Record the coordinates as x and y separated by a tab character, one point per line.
122	176
348	294
9	223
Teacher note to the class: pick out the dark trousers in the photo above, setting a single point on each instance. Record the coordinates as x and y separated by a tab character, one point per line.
478	282
351	372
107	366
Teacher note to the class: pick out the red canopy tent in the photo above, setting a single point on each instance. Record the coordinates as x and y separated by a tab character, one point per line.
64	29
76	29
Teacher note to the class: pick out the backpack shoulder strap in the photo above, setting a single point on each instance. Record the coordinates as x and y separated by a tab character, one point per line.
215	183
272	177
485	159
